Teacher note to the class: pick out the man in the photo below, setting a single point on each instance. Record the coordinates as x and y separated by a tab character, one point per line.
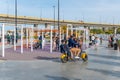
40	40
12	38
8	38
71	42
97	42
0	38
75	51
101	40
90	38
57	43
118	43
93	39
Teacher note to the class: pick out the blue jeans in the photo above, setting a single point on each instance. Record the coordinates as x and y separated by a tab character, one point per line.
41	45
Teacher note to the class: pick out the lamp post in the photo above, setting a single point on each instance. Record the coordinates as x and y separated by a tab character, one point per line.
0	34
16	19
59	22
58	15
54	18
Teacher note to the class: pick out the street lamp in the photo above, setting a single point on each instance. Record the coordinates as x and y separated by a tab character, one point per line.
0	34
54	16
16	19
58	15
59	22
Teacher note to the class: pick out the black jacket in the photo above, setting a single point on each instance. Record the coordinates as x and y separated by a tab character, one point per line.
62	49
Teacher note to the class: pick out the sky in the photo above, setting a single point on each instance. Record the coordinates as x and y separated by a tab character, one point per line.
101	11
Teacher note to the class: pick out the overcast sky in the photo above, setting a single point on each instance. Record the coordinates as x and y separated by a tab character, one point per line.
104	11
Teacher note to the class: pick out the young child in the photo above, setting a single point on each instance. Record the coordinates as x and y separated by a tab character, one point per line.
62	49
67	49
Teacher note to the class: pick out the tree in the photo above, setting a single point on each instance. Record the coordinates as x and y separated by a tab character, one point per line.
64	28
96	31
118	31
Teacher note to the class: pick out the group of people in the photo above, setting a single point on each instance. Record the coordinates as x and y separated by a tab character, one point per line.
42	42
114	42
72	46
10	39
95	41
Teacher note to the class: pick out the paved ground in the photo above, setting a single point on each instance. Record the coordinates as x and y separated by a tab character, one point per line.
10	54
103	64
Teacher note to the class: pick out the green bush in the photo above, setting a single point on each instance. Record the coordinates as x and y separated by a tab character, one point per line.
35	37
100	31
118	31
109	32
97	31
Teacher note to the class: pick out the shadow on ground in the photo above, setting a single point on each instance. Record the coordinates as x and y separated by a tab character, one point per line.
1	58
59	78
105	62
54	59
105	56
106	72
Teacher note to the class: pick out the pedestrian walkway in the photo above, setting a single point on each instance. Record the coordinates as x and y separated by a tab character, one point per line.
10	54
103	64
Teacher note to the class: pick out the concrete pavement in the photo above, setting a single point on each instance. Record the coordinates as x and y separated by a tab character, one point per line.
103	64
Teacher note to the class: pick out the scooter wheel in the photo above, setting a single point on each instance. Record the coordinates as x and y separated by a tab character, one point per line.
84	57
64	58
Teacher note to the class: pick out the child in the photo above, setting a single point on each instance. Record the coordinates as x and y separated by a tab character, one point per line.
62	49
67	49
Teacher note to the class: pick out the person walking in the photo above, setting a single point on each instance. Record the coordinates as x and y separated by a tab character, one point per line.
40	41
0	38
101	40
57	43
97	42
8	39
54	43
12	38
93	39
118	43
